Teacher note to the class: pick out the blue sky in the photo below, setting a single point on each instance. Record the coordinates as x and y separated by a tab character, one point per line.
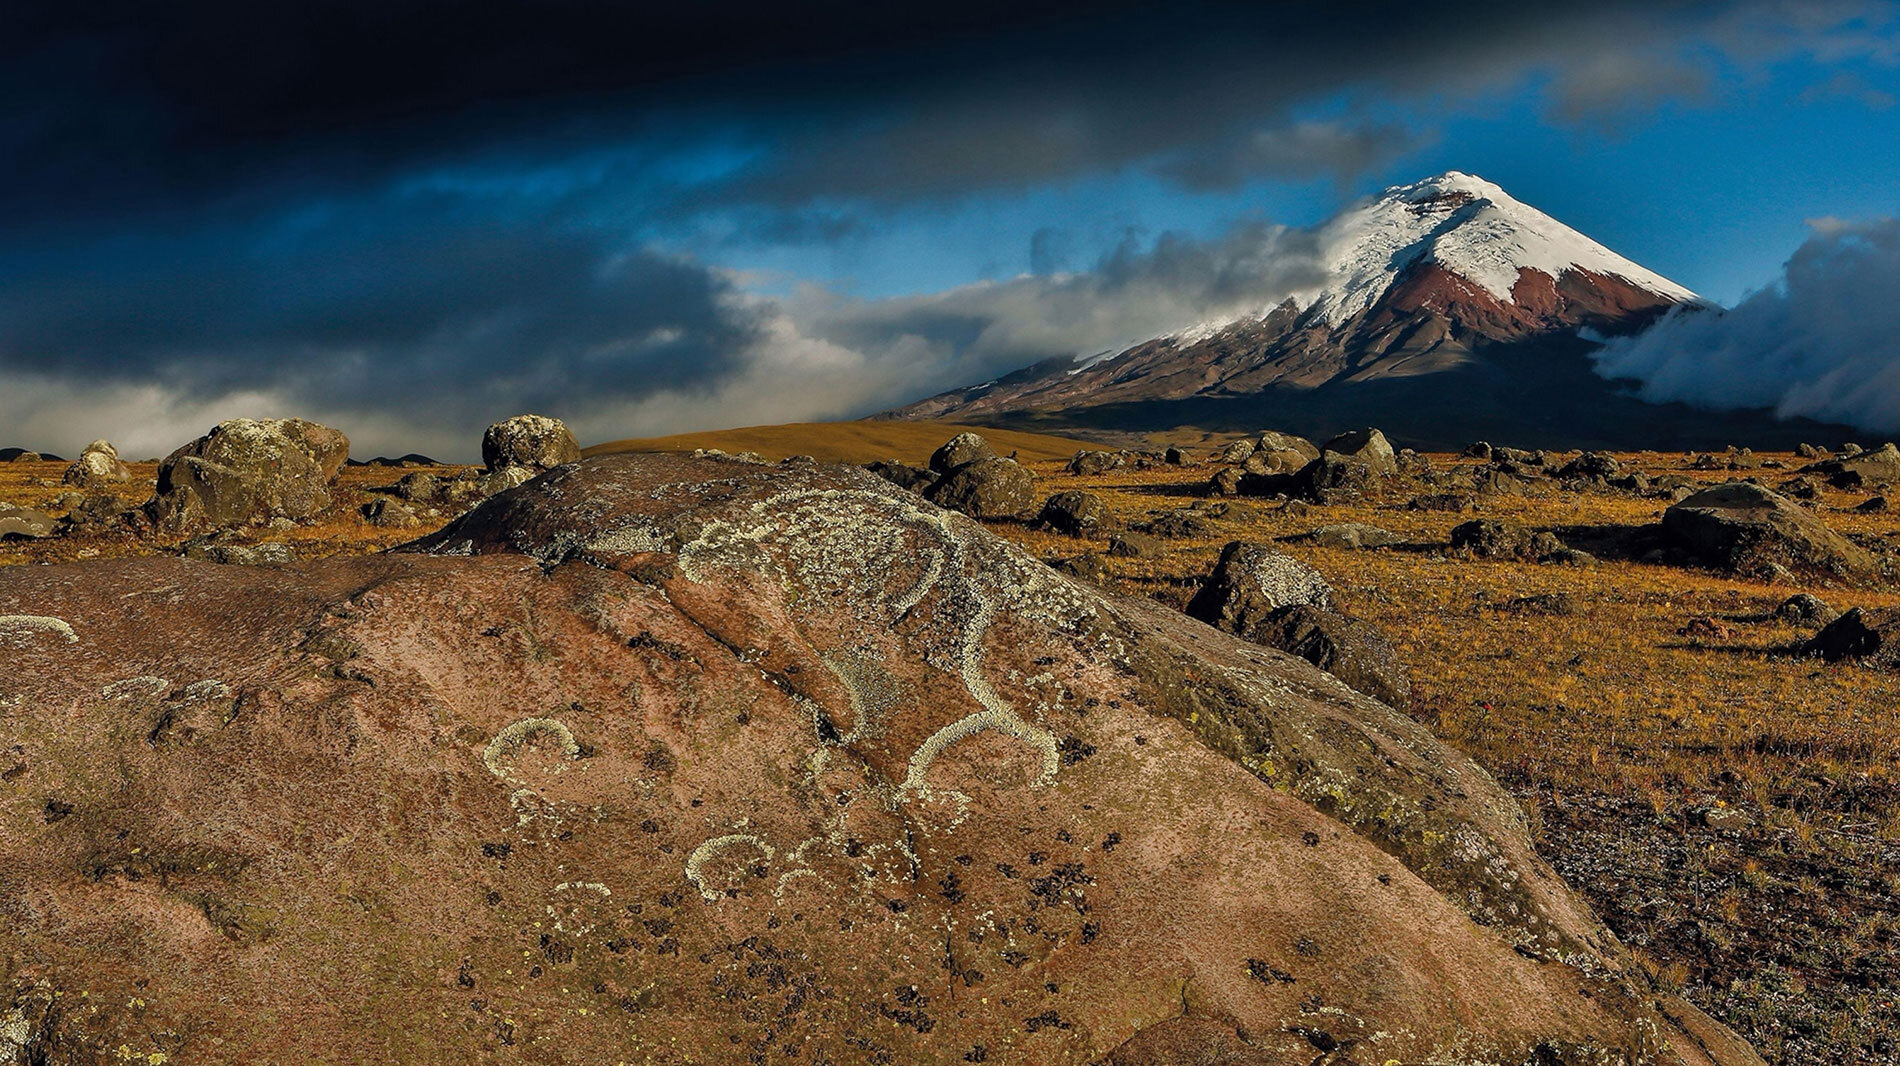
647	220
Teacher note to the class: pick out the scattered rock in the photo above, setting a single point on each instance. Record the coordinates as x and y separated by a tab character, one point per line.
1703	627
1235	452
1866	636
535	443
1872	505
1548	603
1488	539
1349	465
1744	528
1478	450
102	513
1452	502
248	472
903	475
1089	463
1809	451
1133	545
960	451
1178	525
1175	457
1251	582
1804	607
1226	482
988	488
1591	466
390	514
1088	566
1568	557
1075	513
212	549
418	486
1861	470
97	468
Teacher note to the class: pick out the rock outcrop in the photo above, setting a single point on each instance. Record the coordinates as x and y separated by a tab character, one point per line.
987	488
249	472
676	759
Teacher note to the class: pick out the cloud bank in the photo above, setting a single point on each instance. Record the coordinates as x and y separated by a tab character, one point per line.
1822	341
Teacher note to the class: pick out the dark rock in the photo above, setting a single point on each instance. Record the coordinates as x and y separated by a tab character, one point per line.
1442	501
1488	539
1803	607
1548	603
390	514
1088	566
1225	482
1568	557
1353	651
1075	513
1174	457
102	513
1865	636
1591	466
1872	505
1861	470
1135	546
960	451
1089	463
248	472
1744	528
1349	465
418	486
1178	524
903	475
987	488
1250	583
1478	450
535	443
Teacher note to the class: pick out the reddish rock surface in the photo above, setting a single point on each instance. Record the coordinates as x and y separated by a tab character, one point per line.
659	759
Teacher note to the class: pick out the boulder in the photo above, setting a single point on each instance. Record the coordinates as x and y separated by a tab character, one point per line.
248	472
1271	441
1868	637
390	514
1745	528
1484	538
1861	470
903	475
1804	607
1251	582
1133	545
746	758
1075	513
25	523
1810	451
1178	524
1478	450
20	455
1226	482
102	512
535	443
1089	463
418	486
1275	461
212	548
1175	457
1453	502
987	488
960	451
1235	452
98	467
1872	505
1350	464
1591	466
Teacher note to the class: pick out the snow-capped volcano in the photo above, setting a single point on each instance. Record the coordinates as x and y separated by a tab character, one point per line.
1469	227
1447	274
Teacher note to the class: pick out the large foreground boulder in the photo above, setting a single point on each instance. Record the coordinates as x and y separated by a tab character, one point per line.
25	523
1746	528
672	759
249	472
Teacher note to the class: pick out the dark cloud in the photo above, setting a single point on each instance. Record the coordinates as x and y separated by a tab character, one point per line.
1822	341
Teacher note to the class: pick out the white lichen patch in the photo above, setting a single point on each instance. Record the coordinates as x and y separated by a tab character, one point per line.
696	862
509	742
27	625
208	689
633	539
14	1033
145	686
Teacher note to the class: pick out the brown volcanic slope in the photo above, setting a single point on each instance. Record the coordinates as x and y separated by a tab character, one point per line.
657	759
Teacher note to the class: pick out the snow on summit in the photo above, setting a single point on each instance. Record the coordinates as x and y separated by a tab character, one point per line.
1466	225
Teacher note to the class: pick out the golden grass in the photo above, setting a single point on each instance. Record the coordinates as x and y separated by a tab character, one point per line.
850	442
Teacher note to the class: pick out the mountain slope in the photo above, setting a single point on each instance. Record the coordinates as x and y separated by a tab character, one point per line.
1449	278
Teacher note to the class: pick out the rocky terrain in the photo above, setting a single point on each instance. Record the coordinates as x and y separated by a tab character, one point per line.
677	759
